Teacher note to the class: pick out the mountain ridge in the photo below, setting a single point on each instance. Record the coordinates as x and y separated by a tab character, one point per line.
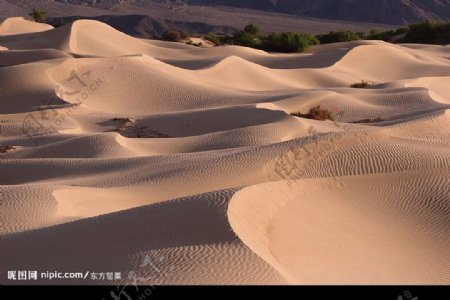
392	12
382	11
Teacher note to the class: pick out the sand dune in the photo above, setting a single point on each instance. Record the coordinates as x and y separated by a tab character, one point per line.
117	151
19	25
351	230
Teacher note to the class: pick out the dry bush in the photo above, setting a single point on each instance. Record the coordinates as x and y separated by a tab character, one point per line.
361	85
316	113
4	149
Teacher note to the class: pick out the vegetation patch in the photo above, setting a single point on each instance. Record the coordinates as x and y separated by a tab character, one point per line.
387	36
130	129
316	113
199	44
338	37
5	149
428	33
288	42
38	15
252	36
361	85
58	22
174	36
133	131
213	38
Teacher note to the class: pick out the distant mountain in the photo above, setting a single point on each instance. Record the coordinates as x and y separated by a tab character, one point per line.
394	12
149	18
143	26
376	11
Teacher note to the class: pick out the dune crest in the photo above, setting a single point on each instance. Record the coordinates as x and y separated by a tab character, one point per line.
18	25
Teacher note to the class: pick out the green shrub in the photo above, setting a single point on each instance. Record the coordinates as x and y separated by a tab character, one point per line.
252	29
428	33
38	15
174	36
64	21
316	113
386	36
249	37
361	35
337	36
288	42
242	38
213	38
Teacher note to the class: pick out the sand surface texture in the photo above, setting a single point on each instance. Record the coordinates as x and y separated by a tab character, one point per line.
180	165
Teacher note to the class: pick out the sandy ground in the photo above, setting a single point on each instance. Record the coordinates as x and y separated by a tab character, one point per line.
174	164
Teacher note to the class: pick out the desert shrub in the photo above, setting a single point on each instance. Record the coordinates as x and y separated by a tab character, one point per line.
337	36
190	42
174	36
385	35
249	37
128	127
361	35
316	113
58	22
382	36
360	85
245	39
213	38
4	149
401	30
252	29
38	15
288	42
428	33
